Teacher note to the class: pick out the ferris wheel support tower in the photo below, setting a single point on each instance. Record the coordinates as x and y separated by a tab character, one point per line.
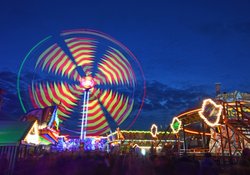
87	83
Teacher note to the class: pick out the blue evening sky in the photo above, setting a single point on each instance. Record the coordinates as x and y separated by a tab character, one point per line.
198	42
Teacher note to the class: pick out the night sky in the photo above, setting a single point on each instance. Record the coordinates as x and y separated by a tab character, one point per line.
184	47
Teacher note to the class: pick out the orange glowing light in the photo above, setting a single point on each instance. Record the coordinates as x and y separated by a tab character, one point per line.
196	132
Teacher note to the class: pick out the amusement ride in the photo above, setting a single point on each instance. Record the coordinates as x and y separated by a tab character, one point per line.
93	79
220	126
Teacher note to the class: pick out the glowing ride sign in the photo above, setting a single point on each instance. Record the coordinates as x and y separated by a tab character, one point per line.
210	112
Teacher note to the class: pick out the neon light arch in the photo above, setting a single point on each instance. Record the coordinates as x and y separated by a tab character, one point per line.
59	68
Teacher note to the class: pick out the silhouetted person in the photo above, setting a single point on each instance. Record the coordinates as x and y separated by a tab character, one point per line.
243	167
4	165
208	166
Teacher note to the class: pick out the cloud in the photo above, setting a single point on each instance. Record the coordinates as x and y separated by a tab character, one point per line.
10	109
8	80
164	97
162	102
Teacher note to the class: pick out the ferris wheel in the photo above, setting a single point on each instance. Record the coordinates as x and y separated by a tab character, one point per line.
96	82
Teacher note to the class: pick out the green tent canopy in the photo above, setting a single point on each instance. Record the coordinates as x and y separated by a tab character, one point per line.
12	132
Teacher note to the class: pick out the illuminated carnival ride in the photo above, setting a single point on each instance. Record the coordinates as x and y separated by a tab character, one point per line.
220	126
48	123
94	82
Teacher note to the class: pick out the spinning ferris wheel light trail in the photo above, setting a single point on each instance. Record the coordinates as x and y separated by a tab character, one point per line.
93	77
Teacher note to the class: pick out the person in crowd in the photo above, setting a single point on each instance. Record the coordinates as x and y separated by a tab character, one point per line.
208	166
4	164
243	167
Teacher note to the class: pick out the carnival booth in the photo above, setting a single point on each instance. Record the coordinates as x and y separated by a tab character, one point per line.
48	124
151	141
17	139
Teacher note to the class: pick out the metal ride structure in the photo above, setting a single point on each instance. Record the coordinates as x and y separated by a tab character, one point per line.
96	82
235	129
220	126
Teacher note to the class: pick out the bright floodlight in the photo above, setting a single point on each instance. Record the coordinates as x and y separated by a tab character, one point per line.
143	151
87	82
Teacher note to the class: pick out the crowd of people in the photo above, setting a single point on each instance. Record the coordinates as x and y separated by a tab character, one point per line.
100	163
